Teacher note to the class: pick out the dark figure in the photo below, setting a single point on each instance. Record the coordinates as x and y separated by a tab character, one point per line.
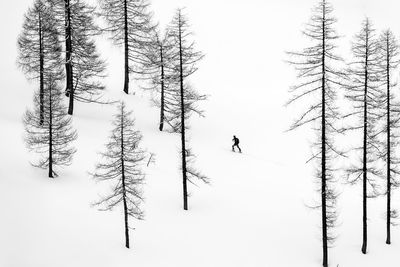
235	143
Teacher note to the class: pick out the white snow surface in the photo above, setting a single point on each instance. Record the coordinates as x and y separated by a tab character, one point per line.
254	213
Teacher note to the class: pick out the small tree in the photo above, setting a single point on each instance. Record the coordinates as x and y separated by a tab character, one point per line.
317	88
129	22
123	161
52	138
389	53
39	48
363	91
184	59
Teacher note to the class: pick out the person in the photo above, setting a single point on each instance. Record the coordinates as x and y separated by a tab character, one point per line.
236	143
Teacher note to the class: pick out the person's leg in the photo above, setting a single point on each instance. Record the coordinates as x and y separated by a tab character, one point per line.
233	148
239	149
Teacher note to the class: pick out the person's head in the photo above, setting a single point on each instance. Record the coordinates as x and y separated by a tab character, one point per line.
234	136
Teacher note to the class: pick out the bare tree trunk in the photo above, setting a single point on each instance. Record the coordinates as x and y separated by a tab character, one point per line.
126	221
41	92
123	184
323	159
364	245
50	131
162	90
71	96
185	195
388	196
126	83
68	54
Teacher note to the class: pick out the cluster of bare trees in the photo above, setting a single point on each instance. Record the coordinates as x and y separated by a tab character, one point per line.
368	83
57	45
49	130
175	57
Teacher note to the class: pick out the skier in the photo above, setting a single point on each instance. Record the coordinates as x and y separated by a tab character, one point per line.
235	143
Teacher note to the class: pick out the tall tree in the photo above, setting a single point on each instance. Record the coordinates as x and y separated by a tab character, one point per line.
158	71
318	83
84	67
389	53
363	91
130	26
39	48
184	60
124	160
68	52
52	138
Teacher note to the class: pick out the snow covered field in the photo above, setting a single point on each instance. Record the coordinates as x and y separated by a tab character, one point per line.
253	214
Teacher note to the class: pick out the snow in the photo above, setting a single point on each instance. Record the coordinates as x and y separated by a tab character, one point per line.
255	211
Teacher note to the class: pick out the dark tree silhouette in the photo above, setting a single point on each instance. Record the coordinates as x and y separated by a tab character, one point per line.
363	91
68	52
318	85
52	138
123	162
389	53
86	62
158	72
184	59
84	68
130	25
39	48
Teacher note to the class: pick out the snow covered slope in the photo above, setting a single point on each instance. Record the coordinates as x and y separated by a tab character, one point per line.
253	214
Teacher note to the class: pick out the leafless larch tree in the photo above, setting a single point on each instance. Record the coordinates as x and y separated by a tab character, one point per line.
184	59
319	81
390	106
84	67
123	161
39	48
158	73
52	138
363	91
130	25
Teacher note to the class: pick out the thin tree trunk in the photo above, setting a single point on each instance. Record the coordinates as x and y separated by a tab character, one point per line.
126	217
388	209
41	92
123	183
364	245
126	82
162	90
68	54
71	96
185	195
67	47
323	159
50	130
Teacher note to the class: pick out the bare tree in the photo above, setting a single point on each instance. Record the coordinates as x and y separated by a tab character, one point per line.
123	162
68	49
363	91
39	48
318	85
158	72
184	59
84	67
86	62
389	53
130	25
52	138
